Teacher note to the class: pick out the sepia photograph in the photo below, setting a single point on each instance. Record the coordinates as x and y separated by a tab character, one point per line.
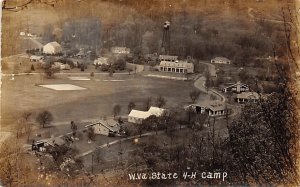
150	93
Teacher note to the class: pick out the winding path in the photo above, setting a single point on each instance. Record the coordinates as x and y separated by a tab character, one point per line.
200	84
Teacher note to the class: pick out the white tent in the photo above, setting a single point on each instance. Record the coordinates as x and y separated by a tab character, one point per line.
52	48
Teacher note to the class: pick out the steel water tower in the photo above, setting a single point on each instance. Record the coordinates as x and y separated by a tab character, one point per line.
165	45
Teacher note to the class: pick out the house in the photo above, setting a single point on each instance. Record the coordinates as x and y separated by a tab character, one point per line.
176	67
101	61
52	48
167	58
217	109
220	60
136	116
238	88
35	58
108	127
55	141
213	108
199	109
42	145
247	97
61	66
120	50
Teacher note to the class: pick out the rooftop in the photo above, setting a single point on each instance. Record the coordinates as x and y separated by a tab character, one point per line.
179	64
54	141
212	105
168	57
221	59
54	44
248	95
145	114
110	124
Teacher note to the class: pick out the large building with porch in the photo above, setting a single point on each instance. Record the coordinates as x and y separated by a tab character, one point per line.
176	67
247	97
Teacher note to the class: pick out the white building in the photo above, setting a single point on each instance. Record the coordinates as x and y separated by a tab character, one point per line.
101	61
61	66
35	58
108	127
220	60
247	97
120	50
176	67
137	116
168	58
52	48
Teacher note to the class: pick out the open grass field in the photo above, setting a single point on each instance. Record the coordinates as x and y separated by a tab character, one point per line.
101	94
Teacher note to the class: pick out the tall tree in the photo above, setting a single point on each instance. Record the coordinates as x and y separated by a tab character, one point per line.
44	118
148	103
160	101
194	95
131	105
116	110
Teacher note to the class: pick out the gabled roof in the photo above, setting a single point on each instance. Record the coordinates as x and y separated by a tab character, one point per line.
221	59
212	105
139	114
54	141
216	106
248	95
168	57
54	44
145	114
156	111
238	83
179	64
110	124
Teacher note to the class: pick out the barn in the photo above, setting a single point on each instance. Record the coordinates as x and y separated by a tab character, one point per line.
52	48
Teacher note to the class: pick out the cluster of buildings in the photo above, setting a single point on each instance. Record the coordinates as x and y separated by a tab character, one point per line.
244	95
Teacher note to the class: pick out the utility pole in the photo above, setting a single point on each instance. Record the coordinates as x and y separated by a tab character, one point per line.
93	163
